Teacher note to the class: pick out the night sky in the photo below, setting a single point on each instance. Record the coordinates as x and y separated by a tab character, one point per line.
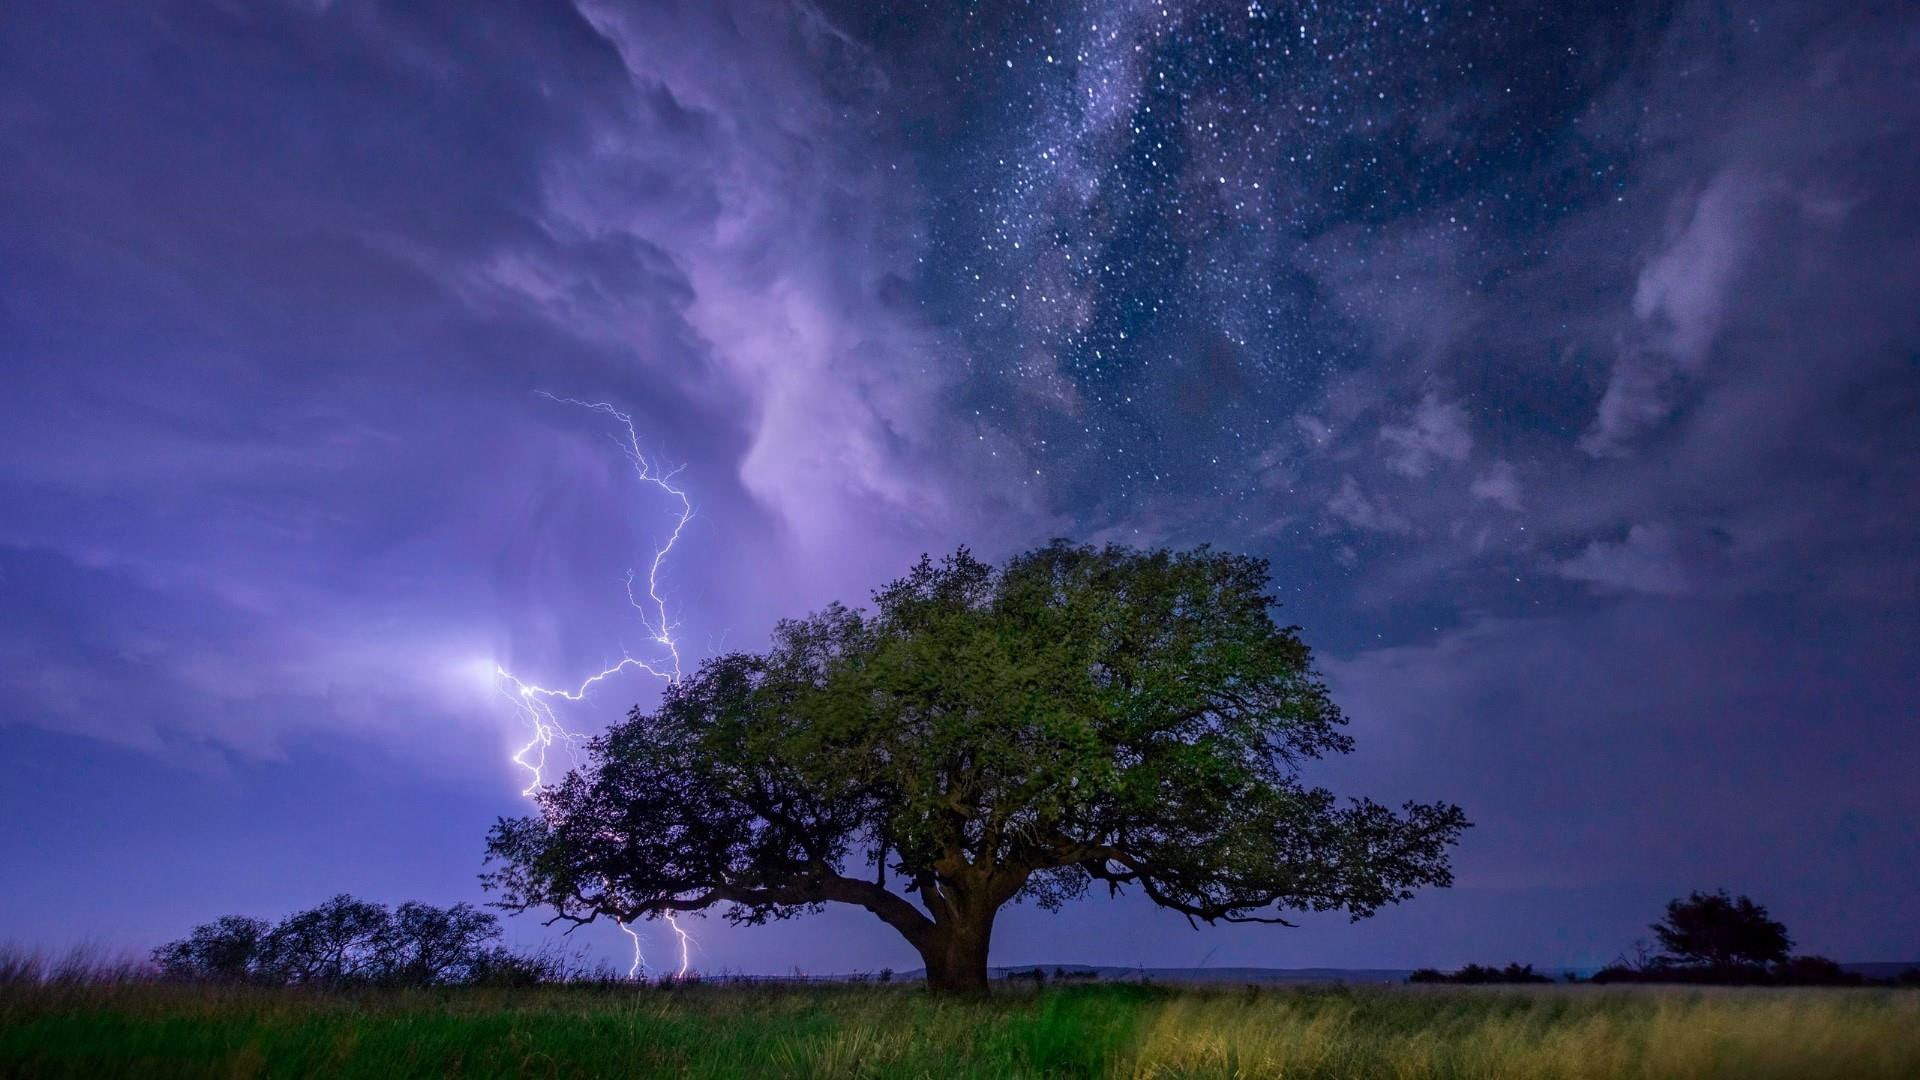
1563	358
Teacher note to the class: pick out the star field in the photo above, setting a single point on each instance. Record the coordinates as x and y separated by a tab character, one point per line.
1143	203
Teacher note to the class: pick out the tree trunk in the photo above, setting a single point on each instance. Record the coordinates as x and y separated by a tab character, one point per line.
956	956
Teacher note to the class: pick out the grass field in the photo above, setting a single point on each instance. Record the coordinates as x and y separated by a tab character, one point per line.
1128	1031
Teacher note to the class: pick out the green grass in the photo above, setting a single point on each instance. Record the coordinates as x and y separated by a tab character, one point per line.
1128	1031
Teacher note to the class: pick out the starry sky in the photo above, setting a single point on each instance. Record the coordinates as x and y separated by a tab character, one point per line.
1564	359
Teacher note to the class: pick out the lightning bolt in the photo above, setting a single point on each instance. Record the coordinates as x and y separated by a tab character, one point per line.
539	706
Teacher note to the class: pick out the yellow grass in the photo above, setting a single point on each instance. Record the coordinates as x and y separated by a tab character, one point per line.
1574	1033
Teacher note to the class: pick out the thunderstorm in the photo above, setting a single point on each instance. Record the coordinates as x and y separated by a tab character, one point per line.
539	707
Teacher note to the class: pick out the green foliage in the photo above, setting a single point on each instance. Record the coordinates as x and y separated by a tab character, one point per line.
1077	715
1086	1031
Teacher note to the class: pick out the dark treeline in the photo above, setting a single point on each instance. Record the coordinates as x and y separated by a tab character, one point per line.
347	941
1717	939
1794	971
1707	939
1481	975
1038	975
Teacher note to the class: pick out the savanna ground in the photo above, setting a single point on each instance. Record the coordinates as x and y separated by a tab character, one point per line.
897	1031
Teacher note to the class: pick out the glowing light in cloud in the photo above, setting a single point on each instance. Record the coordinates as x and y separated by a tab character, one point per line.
539	705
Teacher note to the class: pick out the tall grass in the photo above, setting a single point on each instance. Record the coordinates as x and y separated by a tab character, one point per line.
73	1029
82	965
1570	1033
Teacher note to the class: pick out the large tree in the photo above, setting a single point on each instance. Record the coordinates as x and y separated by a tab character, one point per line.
1719	931
985	734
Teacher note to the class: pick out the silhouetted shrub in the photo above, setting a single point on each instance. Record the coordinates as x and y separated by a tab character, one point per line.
1794	971
345	940
227	949
342	940
1478	975
1714	930
1721	940
1813	971
1063	973
1695	975
427	944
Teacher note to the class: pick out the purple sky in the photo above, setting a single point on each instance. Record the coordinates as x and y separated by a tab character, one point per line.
1566	365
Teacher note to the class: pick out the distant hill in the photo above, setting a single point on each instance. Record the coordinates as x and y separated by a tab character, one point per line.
1214	974
1266	976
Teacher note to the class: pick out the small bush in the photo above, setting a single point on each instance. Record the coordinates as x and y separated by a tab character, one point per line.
1479	975
1793	971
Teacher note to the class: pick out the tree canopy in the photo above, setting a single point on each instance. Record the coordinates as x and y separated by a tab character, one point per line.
1720	931
345	940
1078	715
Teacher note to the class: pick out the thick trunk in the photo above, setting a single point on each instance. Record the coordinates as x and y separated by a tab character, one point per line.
956	956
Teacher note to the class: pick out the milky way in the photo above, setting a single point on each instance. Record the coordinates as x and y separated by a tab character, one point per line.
1150	206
